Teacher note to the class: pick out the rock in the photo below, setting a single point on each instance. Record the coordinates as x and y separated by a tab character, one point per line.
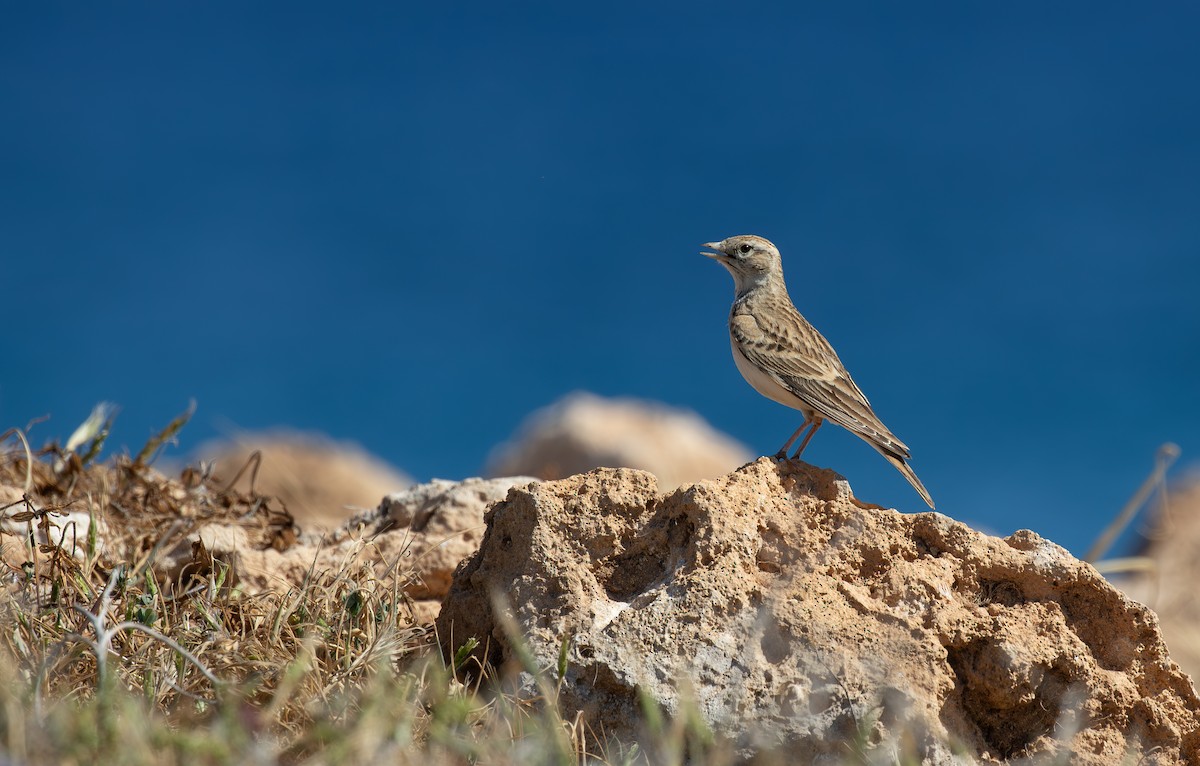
420	534
1168	585
14	550
320	481
583	431
66	530
795	616
439	524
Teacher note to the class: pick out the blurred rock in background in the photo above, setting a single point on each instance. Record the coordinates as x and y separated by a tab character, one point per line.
583	431
1169	583
322	482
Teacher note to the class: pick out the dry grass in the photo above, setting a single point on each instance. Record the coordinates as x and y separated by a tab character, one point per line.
101	662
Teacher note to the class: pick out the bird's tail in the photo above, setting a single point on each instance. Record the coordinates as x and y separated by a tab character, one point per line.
907	472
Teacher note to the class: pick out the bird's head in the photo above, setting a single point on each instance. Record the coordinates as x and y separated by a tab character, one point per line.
751	260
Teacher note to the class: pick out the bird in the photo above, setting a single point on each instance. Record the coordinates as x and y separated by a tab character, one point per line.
785	359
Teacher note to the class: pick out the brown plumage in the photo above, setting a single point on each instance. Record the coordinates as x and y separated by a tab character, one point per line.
785	359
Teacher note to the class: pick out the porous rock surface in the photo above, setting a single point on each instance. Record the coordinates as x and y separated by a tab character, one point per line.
443	522
583	431
794	615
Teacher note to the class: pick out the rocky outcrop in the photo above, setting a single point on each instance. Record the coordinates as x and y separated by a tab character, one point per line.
584	431
793	615
319	480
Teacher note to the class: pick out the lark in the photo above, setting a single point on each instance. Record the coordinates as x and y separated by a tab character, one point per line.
785	359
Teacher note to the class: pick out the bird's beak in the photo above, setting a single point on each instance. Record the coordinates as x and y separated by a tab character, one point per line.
713	246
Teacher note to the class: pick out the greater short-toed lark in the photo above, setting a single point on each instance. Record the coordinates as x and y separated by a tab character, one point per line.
786	359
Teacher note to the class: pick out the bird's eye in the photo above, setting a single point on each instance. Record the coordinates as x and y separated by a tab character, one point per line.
745	248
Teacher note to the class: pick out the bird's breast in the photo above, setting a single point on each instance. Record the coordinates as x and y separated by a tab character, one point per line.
764	383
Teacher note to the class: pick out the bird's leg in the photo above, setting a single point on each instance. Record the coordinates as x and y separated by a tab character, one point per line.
782	453
816	423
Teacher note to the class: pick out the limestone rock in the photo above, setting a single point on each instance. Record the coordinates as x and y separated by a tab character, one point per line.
794	616
440	523
583	431
319	480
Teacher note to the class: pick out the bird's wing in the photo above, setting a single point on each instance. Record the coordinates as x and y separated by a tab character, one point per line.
801	360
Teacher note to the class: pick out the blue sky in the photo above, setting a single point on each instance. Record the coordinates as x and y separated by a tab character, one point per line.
410	226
